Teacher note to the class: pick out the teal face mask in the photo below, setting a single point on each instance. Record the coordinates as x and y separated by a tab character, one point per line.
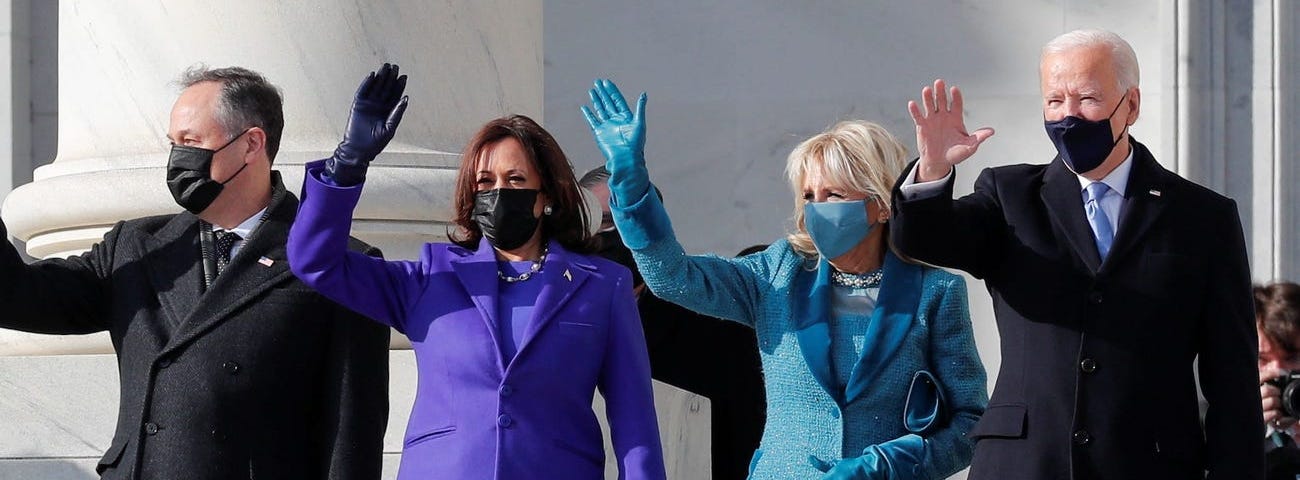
836	227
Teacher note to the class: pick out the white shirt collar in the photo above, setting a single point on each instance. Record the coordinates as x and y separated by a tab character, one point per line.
245	228
1117	179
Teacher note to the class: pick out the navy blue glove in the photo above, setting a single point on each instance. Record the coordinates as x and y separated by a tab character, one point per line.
376	111
620	134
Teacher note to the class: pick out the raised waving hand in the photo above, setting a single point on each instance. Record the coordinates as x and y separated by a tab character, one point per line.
377	109
620	135
941	137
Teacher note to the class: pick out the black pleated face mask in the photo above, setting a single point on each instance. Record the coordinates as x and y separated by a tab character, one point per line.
505	216
189	177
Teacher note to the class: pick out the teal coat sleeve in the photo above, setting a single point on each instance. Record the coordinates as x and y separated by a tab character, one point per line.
709	284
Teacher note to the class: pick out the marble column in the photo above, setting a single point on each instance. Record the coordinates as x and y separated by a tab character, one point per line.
1277	113
1238	69
15	108
468	61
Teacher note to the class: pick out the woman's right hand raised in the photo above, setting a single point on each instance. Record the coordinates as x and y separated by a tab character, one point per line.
941	137
377	109
620	134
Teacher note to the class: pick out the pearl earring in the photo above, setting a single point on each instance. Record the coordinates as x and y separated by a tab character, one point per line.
546	210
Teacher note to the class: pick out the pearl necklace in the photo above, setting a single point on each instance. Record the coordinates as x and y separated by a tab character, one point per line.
858	280
537	267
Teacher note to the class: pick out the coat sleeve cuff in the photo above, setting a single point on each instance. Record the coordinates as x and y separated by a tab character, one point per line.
642	222
904	457
315	182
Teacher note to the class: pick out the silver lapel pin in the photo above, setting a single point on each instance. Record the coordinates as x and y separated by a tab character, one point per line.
567	275
1154	193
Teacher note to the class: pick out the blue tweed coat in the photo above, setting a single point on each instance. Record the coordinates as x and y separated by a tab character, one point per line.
921	322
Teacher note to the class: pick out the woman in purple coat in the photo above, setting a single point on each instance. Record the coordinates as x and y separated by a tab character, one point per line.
514	325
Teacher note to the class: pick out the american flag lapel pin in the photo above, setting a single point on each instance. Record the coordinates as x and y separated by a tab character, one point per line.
266	262
1154	192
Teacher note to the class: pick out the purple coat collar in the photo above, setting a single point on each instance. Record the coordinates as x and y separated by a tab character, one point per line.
562	274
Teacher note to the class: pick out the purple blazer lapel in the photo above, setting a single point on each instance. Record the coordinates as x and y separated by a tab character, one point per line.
562	276
478	274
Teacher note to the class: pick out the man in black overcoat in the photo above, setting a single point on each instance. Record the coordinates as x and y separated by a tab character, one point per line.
1113	280
230	367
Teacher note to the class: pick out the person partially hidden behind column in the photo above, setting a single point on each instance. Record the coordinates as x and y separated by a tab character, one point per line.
1277	317
514	325
230	367
702	354
1110	277
869	361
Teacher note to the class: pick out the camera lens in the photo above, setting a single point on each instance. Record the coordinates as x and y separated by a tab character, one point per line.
1291	398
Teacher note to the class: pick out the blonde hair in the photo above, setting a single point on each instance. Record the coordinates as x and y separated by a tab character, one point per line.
860	155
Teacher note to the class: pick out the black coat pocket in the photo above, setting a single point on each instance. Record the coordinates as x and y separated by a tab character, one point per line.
1001	421
111	456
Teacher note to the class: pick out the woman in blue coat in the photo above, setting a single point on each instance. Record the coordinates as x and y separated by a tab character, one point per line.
869	360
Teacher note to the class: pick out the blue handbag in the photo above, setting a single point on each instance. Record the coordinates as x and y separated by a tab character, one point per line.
925	407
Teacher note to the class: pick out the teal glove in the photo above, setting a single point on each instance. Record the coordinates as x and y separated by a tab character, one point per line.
620	134
869	466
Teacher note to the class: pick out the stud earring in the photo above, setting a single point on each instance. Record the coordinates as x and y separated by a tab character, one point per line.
546	210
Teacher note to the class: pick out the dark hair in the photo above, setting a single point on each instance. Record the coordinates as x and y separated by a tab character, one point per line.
247	100
567	222
1277	313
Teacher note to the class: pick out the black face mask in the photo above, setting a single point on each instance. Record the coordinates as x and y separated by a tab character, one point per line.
612	248
505	215
189	177
1084	144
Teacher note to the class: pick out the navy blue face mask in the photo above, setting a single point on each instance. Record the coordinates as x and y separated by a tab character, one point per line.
1084	144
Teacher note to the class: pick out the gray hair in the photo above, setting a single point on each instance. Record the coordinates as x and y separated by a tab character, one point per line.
593	177
600	176
1121	53
247	100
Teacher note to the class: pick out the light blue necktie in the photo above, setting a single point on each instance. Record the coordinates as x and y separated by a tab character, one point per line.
1097	218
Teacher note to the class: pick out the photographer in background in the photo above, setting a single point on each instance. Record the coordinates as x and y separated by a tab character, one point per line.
1277	316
